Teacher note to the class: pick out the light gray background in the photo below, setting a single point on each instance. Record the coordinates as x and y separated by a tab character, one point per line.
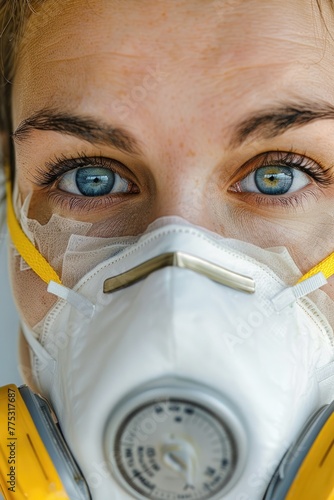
8	323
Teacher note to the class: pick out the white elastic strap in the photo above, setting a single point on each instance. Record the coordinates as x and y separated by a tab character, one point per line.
289	295
76	300
42	355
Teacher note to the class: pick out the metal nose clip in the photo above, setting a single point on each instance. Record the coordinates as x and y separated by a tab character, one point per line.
184	261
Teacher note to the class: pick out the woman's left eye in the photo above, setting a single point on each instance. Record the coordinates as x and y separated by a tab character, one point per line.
93	181
272	180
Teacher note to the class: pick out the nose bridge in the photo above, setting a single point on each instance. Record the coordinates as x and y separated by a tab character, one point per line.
185	171
183	192
181	201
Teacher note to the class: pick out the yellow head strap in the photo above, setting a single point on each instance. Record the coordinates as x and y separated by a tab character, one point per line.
326	267
43	269
23	245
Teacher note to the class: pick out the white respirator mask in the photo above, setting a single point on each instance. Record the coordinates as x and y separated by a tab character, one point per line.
183	366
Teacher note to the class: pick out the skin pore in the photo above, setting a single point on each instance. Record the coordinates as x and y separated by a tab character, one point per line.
196	86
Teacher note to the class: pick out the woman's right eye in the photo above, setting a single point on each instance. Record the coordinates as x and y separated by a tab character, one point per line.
93	181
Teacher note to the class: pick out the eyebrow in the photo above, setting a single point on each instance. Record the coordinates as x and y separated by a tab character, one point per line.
274	121
83	127
267	124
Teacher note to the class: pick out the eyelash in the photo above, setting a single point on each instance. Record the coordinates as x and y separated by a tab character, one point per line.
60	165
55	168
290	159
321	175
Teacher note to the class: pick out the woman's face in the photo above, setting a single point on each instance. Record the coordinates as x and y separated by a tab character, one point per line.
219	111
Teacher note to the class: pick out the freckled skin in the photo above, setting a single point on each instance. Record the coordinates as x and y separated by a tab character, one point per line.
179	75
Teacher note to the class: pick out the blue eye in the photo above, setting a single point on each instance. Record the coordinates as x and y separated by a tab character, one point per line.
93	181
273	180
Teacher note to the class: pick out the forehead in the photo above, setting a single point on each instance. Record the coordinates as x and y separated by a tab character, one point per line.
206	56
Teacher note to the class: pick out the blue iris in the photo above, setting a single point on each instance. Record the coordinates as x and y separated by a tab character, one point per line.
94	181
274	179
